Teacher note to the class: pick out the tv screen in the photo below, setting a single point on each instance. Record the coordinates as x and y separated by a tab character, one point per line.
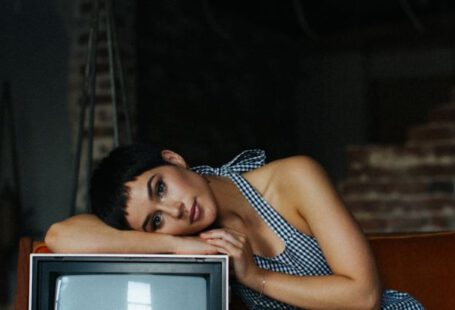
128	282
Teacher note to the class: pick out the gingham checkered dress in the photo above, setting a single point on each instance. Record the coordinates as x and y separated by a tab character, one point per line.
302	254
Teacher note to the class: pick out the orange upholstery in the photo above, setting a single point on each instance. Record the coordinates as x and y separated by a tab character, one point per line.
422	264
23	266
40	247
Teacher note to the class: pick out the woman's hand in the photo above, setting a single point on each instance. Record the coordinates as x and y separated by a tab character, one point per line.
236	245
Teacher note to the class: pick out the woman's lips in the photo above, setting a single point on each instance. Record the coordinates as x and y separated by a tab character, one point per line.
195	212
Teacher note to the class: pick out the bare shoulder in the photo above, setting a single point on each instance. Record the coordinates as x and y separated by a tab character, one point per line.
287	175
296	165
299	166
288	185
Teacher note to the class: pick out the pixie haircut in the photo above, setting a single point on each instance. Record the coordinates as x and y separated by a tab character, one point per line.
108	191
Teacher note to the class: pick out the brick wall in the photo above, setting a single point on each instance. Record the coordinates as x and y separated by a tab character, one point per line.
79	27
409	187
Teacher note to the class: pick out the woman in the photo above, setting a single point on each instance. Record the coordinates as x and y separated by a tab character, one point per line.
291	240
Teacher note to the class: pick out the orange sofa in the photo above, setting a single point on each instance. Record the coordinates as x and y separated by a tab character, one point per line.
422	264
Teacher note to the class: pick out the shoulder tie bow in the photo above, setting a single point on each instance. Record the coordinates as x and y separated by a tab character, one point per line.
245	161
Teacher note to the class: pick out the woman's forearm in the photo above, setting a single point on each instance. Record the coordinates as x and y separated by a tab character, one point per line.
87	234
317	292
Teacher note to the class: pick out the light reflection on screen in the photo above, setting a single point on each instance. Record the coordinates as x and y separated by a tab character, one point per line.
131	292
139	296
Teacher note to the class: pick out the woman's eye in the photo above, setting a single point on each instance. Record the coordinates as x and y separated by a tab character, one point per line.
156	221
160	188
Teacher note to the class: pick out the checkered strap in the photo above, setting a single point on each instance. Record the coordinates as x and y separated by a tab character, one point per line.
245	161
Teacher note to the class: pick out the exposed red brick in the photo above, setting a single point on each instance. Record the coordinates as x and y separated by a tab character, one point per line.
359	155
441	221
373	225
423	170
434	203
443	113
407	224
408	187
404	186
402	224
432	132
444	150
433	170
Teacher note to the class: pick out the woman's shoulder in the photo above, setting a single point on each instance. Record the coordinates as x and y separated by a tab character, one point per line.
283	171
294	162
288	166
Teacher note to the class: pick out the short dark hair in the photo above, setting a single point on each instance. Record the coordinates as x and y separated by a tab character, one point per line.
108	192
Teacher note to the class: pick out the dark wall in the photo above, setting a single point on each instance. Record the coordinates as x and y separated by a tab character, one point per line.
211	90
216	78
34	59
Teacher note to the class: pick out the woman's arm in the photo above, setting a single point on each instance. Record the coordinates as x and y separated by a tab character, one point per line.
310	292
86	233
354	284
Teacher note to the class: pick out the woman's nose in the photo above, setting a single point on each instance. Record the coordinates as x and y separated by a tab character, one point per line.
175	209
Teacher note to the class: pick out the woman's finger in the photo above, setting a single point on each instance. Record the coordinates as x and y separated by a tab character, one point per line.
234	238
225	247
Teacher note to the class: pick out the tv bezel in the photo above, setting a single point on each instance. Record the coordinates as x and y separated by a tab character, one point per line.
51	265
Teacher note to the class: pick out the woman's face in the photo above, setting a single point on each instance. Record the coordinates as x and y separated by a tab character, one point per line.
171	200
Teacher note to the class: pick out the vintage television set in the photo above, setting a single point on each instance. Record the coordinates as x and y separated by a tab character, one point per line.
128	282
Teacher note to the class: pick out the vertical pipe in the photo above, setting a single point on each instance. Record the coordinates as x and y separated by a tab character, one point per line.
112	71
90	66
121	77
92	102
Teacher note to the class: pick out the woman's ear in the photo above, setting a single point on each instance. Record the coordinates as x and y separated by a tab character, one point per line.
173	158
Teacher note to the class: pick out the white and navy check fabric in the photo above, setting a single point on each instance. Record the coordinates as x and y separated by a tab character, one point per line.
301	256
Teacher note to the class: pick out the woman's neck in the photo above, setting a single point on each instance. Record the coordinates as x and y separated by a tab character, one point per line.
232	212
235	212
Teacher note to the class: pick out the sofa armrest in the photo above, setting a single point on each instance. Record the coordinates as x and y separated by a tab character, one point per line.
23	267
422	264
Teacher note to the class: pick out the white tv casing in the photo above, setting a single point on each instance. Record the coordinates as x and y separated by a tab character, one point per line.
224	259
